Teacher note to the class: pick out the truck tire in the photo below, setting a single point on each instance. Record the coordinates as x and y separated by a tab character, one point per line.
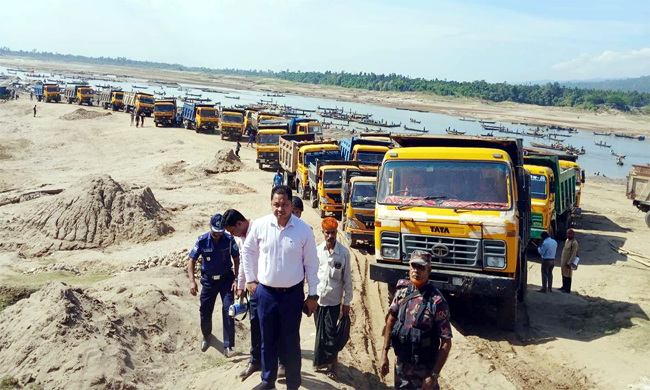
285	178
523	275
647	218
306	195
508	313
348	238
222	136
320	211
259	165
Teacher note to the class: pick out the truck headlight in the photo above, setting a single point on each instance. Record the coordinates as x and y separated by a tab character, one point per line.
324	200
389	252
495	262
353	224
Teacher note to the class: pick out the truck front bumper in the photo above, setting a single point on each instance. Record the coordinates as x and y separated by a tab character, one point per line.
267	161
447	280
360	236
331	208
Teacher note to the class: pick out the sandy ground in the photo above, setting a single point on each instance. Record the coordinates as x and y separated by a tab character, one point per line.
109	328
604	120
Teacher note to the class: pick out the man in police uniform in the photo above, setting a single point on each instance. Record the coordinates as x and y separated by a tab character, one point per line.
418	328
217	277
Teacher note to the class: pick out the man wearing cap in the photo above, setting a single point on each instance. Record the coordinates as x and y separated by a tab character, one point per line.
217	277
418	328
298	208
335	278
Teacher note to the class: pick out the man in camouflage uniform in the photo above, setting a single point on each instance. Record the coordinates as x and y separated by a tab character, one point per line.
407	315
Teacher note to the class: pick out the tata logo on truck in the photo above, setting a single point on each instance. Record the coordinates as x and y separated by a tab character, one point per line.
439	229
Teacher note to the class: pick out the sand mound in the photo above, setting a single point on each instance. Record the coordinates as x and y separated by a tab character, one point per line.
83	114
94	212
103	337
224	160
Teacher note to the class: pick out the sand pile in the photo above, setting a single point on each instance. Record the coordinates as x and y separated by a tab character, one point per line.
104	337
224	160
80	113
95	212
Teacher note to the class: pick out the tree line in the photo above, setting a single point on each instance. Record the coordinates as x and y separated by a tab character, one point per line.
551	94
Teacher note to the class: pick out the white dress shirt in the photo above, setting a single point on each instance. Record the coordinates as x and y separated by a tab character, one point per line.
281	257
241	277
334	274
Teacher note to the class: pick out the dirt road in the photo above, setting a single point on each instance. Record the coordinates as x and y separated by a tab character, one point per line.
109	328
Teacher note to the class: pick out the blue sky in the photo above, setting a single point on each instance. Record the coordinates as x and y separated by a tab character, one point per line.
495	40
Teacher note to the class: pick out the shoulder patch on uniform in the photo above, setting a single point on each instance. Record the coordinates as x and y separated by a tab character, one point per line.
403	283
235	247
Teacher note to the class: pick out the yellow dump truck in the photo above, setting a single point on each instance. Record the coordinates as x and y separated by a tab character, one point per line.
580	174
325	184
231	124
297	152
79	94
111	98
140	102
466	201
47	92
250	113
368	150
638	189
267	143
359	194
165	113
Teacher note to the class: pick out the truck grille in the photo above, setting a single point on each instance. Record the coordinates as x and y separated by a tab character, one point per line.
463	252
269	155
537	220
368	220
336	198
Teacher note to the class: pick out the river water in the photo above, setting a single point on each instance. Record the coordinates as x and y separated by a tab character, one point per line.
596	159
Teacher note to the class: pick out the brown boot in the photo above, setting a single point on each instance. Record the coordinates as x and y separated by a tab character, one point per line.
248	371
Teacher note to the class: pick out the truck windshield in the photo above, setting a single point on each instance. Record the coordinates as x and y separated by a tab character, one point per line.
371	158
538	186
364	195
313	129
232	119
86	91
146	100
163	108
333	178
52	89
207	112
448	184
327	155
119	96
268	138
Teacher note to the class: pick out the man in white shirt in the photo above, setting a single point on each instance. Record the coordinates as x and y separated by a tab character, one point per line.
335	278
547	252
279	251
239	227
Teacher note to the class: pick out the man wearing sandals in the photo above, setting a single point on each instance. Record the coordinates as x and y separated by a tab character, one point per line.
335	278
418	328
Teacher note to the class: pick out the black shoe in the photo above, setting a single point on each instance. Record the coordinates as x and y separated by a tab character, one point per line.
229	352
281	372
262	386
550	290
205	344
566	291
250	369
542	290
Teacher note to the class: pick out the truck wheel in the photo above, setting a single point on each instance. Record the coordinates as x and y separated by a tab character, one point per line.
647	218
259	165
508	313
223	136
320	210
305	194
313	201
348	237
523	274
285	178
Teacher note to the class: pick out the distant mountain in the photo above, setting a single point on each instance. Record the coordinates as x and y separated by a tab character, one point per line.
639	84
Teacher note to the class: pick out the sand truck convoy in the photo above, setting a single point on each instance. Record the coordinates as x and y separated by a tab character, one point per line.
79	94
112	98
464	199
47	92
140	102
638	189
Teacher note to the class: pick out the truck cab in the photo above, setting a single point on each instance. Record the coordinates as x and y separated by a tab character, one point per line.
144	103
325	184
79	94
305	126
248	119
200	117
542	200
164	112
466	201
267	145
231	124
309	154
359	194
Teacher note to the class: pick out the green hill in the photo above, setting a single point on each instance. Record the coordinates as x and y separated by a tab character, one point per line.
639	84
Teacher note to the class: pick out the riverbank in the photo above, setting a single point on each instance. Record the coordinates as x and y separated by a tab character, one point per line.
606	120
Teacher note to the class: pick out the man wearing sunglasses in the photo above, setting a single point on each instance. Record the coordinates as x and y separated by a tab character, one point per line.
418	328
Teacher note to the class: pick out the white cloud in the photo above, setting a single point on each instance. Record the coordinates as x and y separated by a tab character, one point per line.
632	63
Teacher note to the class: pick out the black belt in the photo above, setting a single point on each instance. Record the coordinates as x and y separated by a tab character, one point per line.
549	259
282	289
219	277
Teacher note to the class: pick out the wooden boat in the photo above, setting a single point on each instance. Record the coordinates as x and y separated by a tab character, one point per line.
467	120
455	132
424	130
414	121
616	154
603	144
603	134
532	134
630	136
232	97
135	86
555	139
486	122
487	135
546	146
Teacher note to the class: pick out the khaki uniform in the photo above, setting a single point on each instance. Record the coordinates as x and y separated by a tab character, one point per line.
569	254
